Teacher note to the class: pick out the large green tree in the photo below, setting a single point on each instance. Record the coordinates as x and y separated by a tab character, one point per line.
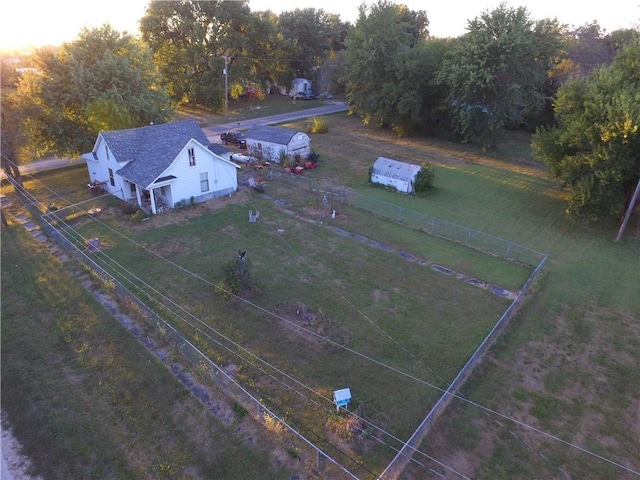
315	35
375	46
420	100
594	148
104	80
497	72
191	40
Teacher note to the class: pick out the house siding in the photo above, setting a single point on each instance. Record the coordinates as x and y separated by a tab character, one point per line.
179	182
298	145
99	169
222	176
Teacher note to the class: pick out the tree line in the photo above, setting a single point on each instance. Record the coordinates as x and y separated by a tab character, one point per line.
576	90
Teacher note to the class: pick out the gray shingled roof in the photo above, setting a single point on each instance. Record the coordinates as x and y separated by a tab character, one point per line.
279	135
151	149
219	149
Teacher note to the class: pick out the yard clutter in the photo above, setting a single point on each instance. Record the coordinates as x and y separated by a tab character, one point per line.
242	159
254	185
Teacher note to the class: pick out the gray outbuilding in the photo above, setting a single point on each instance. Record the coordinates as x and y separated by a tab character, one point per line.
274	143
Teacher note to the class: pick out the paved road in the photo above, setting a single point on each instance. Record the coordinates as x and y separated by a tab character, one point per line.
212	133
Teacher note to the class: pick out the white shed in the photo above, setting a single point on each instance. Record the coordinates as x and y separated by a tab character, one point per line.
270	143
395	174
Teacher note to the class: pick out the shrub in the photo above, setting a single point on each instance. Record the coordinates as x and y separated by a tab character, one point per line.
318	125
425	178
222	290
138	216
240	410
285	160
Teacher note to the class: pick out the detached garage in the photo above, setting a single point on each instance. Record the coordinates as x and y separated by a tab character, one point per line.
271	143
395	174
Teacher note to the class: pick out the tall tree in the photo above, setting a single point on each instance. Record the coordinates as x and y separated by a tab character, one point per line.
315	36
373	56
420	98
104	80
11	135
594	147
190	40
267	54
497	72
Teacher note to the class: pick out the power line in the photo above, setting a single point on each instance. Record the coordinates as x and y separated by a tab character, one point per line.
377	362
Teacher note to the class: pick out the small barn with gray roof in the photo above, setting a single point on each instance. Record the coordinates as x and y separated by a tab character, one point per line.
395	174
159	167
272	143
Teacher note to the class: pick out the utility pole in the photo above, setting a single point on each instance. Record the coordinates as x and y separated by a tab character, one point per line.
630	209
226	86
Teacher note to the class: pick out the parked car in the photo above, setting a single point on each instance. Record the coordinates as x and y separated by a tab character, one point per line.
236	138
303	96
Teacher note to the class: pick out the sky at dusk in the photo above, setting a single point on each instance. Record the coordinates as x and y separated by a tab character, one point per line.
42	23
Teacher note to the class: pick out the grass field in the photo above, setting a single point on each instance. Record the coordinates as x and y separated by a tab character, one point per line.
566	365
84	398
374	303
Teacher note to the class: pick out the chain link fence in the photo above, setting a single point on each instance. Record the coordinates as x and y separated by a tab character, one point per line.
303	190
301	185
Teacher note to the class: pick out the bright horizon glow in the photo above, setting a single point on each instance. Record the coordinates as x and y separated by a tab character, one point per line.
26	24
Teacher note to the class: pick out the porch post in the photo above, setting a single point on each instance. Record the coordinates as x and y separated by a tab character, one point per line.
153	201
138	195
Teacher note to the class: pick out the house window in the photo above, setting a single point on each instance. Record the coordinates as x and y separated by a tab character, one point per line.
112	180
106	151
192	157
204	182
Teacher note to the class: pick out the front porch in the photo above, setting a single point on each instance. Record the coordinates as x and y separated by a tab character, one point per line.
157	199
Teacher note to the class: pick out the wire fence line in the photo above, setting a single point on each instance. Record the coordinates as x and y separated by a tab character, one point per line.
457	233
398	464
51	225
431	225
159	327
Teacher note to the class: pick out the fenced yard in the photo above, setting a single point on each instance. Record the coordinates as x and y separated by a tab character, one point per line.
567	365
326	310
314	315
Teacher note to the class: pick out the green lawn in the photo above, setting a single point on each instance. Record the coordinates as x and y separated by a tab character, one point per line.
367	301
565	366
85	399
246	108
